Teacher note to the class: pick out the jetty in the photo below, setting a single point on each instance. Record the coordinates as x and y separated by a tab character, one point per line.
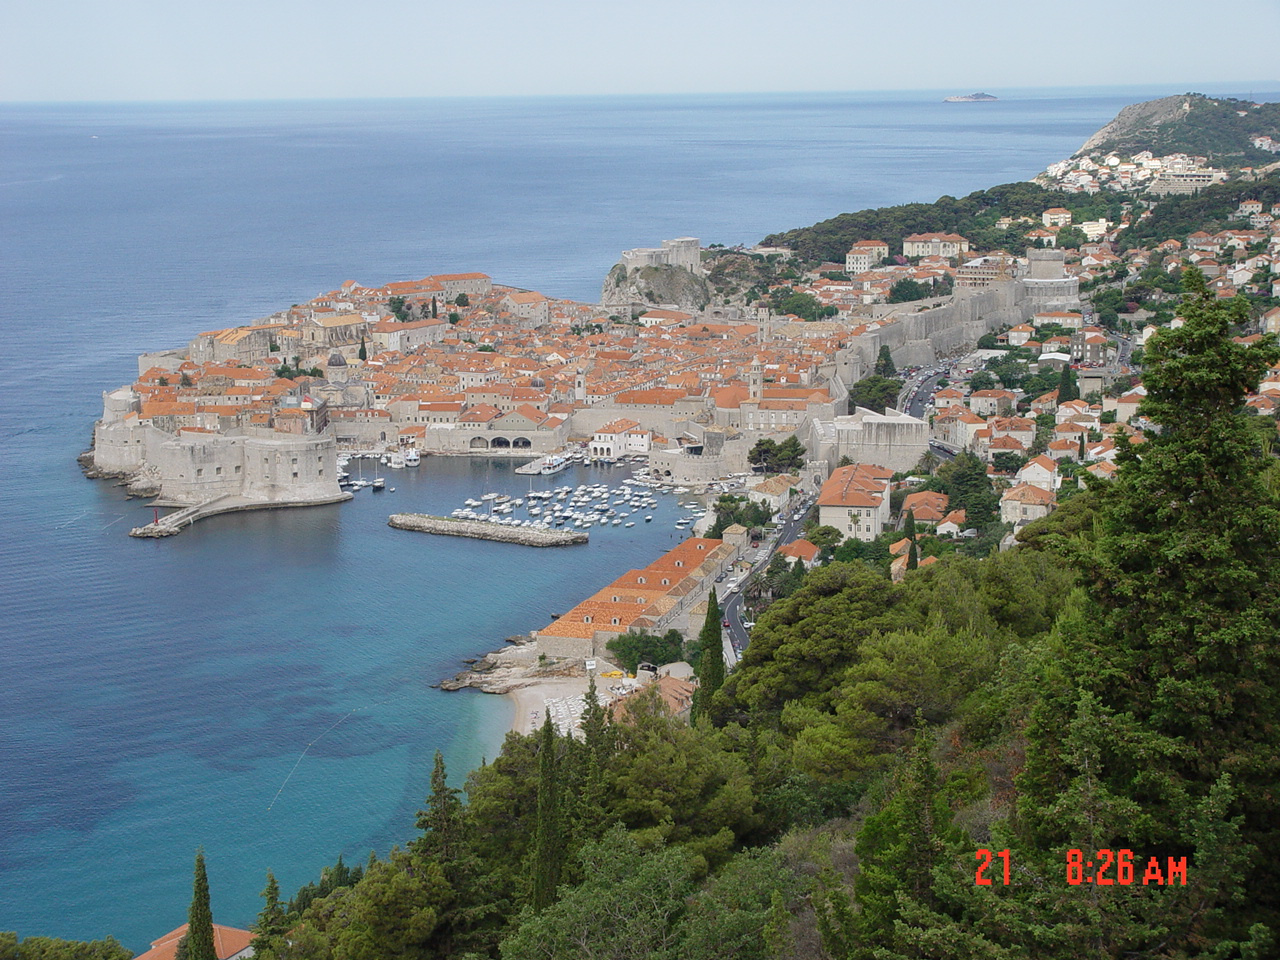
483	530
174	523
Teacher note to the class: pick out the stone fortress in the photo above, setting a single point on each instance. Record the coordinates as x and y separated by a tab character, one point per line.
684	253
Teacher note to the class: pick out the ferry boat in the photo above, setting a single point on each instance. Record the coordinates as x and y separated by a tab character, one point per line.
412	457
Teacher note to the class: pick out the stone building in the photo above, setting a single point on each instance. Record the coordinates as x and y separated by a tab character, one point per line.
683	252
892	439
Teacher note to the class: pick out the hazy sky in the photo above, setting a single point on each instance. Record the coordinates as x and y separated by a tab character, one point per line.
267	49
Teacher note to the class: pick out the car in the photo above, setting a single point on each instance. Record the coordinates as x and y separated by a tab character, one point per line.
724	623
754	544
720	579
748	624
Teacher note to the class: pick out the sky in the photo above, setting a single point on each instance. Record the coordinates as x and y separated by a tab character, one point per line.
72	50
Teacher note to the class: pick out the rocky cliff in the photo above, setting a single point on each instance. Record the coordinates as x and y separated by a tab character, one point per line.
661	284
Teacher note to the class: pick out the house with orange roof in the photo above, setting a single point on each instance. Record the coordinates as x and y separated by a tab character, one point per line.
951	524
934	244
855	500
1024	503
985	403
229	943
655	597
1042	471
928	506
802	550
472	284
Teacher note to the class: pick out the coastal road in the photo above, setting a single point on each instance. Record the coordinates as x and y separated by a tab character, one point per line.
736	636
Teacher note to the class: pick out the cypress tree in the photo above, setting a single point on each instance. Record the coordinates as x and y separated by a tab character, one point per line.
273	922
711	656
548	848
441	822
884	364
435	309
909	528
198	942
1067	389
363	354
913	557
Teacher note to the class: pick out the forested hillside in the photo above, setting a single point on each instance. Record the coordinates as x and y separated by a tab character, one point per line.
973	217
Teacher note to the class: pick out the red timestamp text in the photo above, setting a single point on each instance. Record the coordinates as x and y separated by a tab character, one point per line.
1120	868
985	857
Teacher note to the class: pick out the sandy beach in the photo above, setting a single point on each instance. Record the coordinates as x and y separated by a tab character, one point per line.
532	699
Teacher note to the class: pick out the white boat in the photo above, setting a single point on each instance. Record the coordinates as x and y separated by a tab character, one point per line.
379	483
629	524
396	462
412	457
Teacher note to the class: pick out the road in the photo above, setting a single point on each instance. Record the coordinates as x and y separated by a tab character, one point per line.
736	636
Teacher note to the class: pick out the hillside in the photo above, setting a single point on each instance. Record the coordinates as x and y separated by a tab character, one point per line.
1221	129
973	216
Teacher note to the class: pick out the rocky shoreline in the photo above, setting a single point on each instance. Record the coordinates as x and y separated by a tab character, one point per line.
514	666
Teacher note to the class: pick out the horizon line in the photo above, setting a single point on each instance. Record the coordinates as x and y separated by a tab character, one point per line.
1238	87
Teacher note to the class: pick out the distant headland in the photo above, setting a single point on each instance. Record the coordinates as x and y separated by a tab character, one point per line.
971	98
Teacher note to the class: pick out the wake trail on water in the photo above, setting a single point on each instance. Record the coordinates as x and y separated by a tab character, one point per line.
302	756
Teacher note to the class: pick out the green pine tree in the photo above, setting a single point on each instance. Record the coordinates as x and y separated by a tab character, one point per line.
884	364
711	657
442	821
1067	388
273	923
548	844
1179	636
198	942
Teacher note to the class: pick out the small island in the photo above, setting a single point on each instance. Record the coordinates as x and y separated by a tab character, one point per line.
971	98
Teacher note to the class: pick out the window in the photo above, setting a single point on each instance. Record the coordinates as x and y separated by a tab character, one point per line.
199	471
586	619
237	470
217	471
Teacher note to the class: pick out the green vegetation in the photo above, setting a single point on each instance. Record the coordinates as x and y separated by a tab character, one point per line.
875	393
49	948
884	364
804	305
732	509
710	657
198	942
292	372
399	309
973	216
1211	127
462	300
1111	682
907	290
636	647
774	457
1174	218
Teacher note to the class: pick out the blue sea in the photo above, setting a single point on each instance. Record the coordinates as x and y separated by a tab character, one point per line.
260	685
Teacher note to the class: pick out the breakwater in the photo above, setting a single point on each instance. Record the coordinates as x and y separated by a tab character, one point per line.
482	530
174	523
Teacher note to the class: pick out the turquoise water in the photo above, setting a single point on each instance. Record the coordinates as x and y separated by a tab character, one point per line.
260	684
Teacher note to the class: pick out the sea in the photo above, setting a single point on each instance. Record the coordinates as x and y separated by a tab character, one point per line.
261	685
